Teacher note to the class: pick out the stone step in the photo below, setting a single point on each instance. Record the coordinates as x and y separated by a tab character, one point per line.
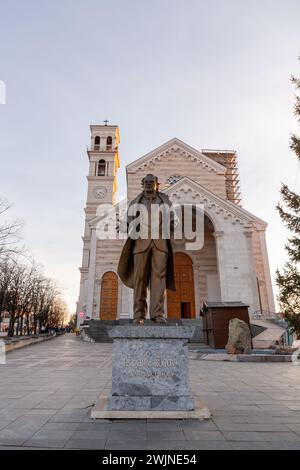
198	336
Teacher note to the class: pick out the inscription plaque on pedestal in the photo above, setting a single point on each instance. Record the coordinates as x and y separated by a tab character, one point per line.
150	368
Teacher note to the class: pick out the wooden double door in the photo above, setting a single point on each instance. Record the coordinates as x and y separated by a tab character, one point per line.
109	296
181	303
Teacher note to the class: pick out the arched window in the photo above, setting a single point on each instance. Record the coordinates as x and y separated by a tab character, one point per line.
97	143
109	143
101	168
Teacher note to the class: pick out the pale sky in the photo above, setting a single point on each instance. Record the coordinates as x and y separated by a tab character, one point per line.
214	74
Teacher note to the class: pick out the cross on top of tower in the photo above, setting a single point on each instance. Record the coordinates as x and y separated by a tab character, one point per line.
106	122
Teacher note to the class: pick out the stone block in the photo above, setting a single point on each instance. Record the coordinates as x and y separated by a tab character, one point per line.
239	339
150	368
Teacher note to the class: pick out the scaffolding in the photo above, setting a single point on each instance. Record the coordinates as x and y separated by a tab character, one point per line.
228	158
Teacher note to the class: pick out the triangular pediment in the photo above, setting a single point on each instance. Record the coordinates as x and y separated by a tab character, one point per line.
187	190
181	150
197	193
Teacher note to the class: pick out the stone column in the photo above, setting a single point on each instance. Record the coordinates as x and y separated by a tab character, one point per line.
97	291
266	268
91	276
254	305
196	269
126	306
221	259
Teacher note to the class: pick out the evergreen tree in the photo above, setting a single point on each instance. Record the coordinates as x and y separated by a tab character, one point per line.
288	280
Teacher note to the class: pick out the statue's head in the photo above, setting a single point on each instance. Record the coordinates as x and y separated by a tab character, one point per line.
150	183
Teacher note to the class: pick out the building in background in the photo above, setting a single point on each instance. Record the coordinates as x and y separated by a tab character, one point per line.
233	263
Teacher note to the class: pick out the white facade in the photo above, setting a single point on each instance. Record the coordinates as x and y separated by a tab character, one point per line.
232	265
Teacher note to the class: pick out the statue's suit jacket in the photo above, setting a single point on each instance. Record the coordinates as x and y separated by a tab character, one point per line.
125	266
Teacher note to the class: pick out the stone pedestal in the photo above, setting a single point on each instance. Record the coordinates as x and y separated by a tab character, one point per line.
150	375
150	368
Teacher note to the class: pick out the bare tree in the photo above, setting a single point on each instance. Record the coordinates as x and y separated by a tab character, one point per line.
31	299
10	233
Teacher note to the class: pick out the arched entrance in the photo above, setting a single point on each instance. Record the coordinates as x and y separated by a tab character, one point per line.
109	296
181	303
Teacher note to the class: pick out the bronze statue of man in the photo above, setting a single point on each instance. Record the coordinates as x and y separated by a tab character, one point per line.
146	261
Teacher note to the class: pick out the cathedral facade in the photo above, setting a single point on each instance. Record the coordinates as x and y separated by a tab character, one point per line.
231	266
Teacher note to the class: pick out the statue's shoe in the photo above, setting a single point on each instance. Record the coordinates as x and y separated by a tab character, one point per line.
161	320
138	321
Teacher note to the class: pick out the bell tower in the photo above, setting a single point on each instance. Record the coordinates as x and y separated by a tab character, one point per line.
104	163
102	186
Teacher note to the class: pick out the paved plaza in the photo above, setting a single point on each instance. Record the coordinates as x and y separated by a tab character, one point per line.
47	391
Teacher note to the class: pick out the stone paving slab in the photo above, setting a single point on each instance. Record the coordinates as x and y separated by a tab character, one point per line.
47	392
246	357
